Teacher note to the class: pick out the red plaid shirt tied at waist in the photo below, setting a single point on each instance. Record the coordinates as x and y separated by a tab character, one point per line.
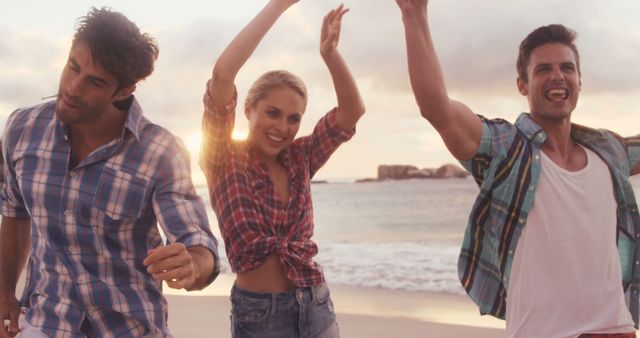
253	221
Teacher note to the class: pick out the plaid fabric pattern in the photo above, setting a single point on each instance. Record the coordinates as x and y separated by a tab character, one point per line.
91	226
507	168
253	221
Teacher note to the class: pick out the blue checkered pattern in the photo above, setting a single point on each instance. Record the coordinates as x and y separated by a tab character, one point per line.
507	168
92	225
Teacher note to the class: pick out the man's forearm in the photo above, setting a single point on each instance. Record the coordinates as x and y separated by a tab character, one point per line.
425	72
15	244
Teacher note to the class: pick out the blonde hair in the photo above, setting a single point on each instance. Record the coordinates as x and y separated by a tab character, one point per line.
273	80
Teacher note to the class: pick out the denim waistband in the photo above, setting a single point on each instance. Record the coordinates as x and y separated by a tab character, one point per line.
308	292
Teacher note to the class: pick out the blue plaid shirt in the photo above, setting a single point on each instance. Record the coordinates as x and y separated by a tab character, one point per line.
507	168
92	225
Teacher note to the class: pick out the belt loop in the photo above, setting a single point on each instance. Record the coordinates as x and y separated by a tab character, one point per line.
274	302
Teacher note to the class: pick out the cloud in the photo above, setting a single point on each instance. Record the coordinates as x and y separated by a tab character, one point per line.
30	67
476	42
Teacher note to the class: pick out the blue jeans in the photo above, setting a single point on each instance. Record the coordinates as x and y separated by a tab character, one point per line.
29	331
302	312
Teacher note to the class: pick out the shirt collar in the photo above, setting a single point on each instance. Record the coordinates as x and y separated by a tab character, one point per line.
536	134
132	123
530	129
134	117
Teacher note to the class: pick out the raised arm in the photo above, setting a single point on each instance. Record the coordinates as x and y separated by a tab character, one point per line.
241	48
458	126
350	106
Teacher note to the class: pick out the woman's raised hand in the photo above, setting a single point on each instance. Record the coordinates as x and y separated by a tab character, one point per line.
330	33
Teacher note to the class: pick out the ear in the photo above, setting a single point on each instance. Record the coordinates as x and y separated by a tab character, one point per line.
247	111
124	92
580	83
522	86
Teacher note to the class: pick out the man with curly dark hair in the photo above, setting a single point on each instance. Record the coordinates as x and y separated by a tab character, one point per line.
88	178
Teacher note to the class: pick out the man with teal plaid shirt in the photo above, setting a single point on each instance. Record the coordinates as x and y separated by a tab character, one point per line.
552	240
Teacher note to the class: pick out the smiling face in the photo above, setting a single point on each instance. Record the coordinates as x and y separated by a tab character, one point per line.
553	82
274	121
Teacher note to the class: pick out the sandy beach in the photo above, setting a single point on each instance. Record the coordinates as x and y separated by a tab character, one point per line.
362	312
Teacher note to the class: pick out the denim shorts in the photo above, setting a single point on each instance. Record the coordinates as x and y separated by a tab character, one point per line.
303	312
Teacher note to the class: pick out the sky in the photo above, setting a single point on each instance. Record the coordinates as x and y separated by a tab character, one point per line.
476	41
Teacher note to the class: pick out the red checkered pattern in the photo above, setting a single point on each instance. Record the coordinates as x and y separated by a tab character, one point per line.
253	221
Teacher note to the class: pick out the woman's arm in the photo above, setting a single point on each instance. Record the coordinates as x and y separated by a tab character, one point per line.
240	49
350	106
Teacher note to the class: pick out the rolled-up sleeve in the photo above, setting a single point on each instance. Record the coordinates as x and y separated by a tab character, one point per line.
326	137
180	211
217	128
11	201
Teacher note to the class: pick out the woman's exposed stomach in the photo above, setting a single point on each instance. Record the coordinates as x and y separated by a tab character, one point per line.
268	277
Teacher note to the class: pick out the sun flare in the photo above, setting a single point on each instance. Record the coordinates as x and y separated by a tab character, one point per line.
193	141
239	135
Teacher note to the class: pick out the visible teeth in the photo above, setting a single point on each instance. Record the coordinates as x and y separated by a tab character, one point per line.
557	94
275	138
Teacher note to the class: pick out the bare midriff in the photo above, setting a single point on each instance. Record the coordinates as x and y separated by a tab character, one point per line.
268	277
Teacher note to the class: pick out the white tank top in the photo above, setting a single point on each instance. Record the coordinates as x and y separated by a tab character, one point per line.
565	278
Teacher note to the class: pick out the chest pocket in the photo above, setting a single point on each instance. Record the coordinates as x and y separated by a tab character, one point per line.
121	195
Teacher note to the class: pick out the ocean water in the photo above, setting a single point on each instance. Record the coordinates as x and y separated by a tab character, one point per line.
394	235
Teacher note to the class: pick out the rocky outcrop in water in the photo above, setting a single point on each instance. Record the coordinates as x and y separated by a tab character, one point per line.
403	172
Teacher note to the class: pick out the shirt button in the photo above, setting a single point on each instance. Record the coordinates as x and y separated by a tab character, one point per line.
72	173
67	212
537	157
510	252
71	249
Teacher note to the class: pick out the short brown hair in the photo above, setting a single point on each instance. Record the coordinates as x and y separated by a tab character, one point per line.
542	35
117	45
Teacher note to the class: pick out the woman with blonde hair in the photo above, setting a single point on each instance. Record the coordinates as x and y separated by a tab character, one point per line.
260	188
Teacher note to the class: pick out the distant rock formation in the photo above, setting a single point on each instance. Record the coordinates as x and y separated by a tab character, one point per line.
402	172
366	180
450	171
394	171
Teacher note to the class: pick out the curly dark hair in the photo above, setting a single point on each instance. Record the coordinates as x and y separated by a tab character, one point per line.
542	35
117	45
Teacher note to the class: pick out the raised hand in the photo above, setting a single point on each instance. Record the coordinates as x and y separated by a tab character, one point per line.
330	33
412	4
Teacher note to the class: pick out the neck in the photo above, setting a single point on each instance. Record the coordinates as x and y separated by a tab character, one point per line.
268	160
85	137
558	139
